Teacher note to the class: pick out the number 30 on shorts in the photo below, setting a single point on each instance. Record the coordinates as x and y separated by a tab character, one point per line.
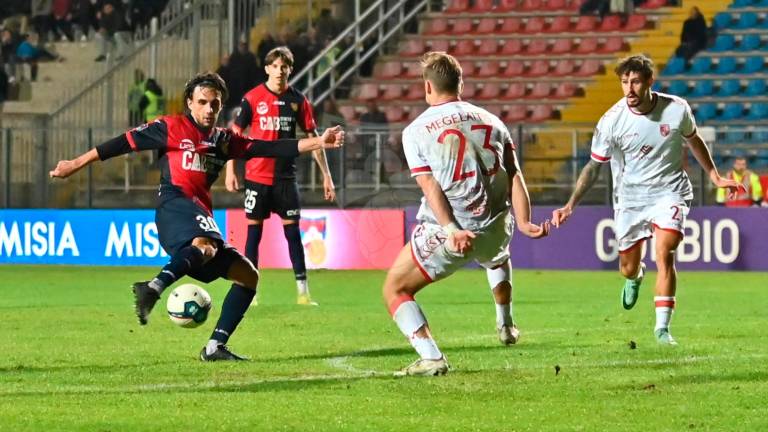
207	223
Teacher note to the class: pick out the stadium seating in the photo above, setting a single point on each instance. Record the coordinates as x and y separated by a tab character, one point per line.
515	91
731	111
702	88
753	65
701	65
747	20
541	113
705	112
758	111
726	65
724	42
755	88
750	42
678	88
486	26
675	66
729	87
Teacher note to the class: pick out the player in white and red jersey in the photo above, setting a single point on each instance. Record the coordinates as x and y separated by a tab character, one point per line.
642	136
463	159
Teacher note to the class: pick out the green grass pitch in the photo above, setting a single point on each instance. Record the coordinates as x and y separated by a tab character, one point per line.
74	358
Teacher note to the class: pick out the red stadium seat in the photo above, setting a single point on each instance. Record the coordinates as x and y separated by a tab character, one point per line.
555	5
565	90
540	90
469	69
654	4
394	114
488	69
414	91
461	26
469	91
563	68
538	68
610	23
511	25
573	5
515	90
513	69
412	47
534	25
436	26
464	47
439	45
512	47
536	47
488	47
612	45
507	5
562	46
389	69
515	113
392	92
588	68
368	91
585	24
348	112
457	6
412	69
486	25
490	90
540	113
636	22
587	46
560	24
494	109
482	6
531	5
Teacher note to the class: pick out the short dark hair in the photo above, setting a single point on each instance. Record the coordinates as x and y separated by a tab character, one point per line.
635	63
442	70
210	80
281	52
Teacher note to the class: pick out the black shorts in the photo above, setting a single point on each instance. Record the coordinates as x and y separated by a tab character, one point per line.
179	221
281	198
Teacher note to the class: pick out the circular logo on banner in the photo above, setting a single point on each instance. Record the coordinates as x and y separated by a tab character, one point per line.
262	108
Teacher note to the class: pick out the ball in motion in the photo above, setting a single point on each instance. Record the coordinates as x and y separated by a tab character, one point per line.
188	305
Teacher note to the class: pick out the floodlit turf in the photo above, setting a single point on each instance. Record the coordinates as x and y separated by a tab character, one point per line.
74	358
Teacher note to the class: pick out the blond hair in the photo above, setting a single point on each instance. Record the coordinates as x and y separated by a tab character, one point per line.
443	71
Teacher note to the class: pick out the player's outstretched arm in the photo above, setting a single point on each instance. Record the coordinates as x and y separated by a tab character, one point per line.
589	175
330	139
704	157
521	200
459	240
66	168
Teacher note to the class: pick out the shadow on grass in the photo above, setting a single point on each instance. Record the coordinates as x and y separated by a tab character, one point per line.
21	368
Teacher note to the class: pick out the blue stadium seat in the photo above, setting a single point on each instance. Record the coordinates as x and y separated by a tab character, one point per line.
734	136
760	161
726	65
750	42
753	65
676	65
747	20
722	20
755	88
741	3
701	65
678	88
758	111
761	3
724	42
656	86
729	88
703	88
759	136
706	112
731	111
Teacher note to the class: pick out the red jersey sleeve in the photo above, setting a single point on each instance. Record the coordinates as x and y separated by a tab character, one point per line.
307	117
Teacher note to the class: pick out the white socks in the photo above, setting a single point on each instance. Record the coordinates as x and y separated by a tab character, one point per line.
665	306
302	286
503	315
409	318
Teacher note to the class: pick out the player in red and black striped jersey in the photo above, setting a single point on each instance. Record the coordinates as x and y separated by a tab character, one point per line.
192	153
270	111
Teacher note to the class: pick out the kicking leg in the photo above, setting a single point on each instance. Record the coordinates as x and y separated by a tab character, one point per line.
666	283
633	270
500	281
191	257
403	281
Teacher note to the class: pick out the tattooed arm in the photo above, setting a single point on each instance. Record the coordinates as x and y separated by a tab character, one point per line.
587	178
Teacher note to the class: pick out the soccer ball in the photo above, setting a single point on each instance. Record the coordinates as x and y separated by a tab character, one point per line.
188	305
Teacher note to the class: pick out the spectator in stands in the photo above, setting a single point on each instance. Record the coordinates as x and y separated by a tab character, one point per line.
30	52
244	72
373	118
329	115
326	64
268	42
84	13
112	32
135	95
327	26
41	17
225	72
694	36
3	87
141	12
751	196
61	20
152	104
590	7
9	41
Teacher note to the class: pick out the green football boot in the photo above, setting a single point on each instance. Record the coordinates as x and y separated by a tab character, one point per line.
631	289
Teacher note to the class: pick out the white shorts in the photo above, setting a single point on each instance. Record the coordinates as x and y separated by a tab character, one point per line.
490	249
634	224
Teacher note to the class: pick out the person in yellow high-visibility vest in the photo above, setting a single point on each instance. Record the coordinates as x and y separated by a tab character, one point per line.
152	104
751	195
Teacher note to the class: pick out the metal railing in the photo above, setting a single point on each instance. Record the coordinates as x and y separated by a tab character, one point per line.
370	170
368	34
